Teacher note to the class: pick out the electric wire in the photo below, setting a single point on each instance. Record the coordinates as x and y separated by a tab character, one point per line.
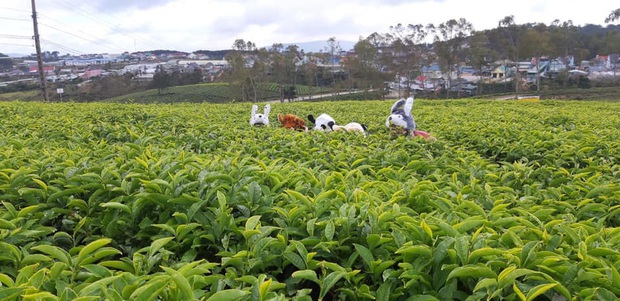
15	9
105	23
116	27
13	36
90	16
61	47
13	44
23	37
82	38
14	19
108	45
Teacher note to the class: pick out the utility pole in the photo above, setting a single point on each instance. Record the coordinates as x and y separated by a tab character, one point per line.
39	58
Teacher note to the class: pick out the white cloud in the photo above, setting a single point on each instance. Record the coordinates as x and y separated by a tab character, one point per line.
92	26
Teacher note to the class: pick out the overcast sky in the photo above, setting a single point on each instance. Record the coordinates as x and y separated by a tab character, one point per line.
114	26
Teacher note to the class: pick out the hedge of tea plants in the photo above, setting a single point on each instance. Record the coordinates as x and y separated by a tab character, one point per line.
513	201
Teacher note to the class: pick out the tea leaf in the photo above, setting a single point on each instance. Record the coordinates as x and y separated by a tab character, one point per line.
539	290
328	282
583	250
365	254
384	291
228	295
181	282
150	290
295	259
330	230
475	271
55	252
518	292
306	274
252	222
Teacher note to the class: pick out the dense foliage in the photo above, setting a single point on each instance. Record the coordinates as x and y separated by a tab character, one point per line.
514	201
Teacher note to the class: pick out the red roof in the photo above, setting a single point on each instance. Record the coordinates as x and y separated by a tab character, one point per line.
91	73
36	68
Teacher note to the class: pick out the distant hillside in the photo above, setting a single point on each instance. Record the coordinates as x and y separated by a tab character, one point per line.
318	46
311	46
17	55
214	54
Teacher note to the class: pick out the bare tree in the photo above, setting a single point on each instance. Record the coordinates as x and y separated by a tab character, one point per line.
333	49
450	38
407	51
246	69
563	38
364	67
283	67
510	44
480	54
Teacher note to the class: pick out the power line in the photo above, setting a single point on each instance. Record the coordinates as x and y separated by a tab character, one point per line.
15	9
15	37
107	45
14	19
121	21
12	36
61	47
13	44
82	38
109	25
116	27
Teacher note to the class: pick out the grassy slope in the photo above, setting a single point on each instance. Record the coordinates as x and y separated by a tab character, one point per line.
600	93
214	93
220	93
25	95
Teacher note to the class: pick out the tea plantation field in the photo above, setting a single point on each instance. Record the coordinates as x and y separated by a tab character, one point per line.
514	201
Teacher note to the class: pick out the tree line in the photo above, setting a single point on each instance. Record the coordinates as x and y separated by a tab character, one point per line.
405	49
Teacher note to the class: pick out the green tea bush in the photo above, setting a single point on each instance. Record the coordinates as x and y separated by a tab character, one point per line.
513	201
